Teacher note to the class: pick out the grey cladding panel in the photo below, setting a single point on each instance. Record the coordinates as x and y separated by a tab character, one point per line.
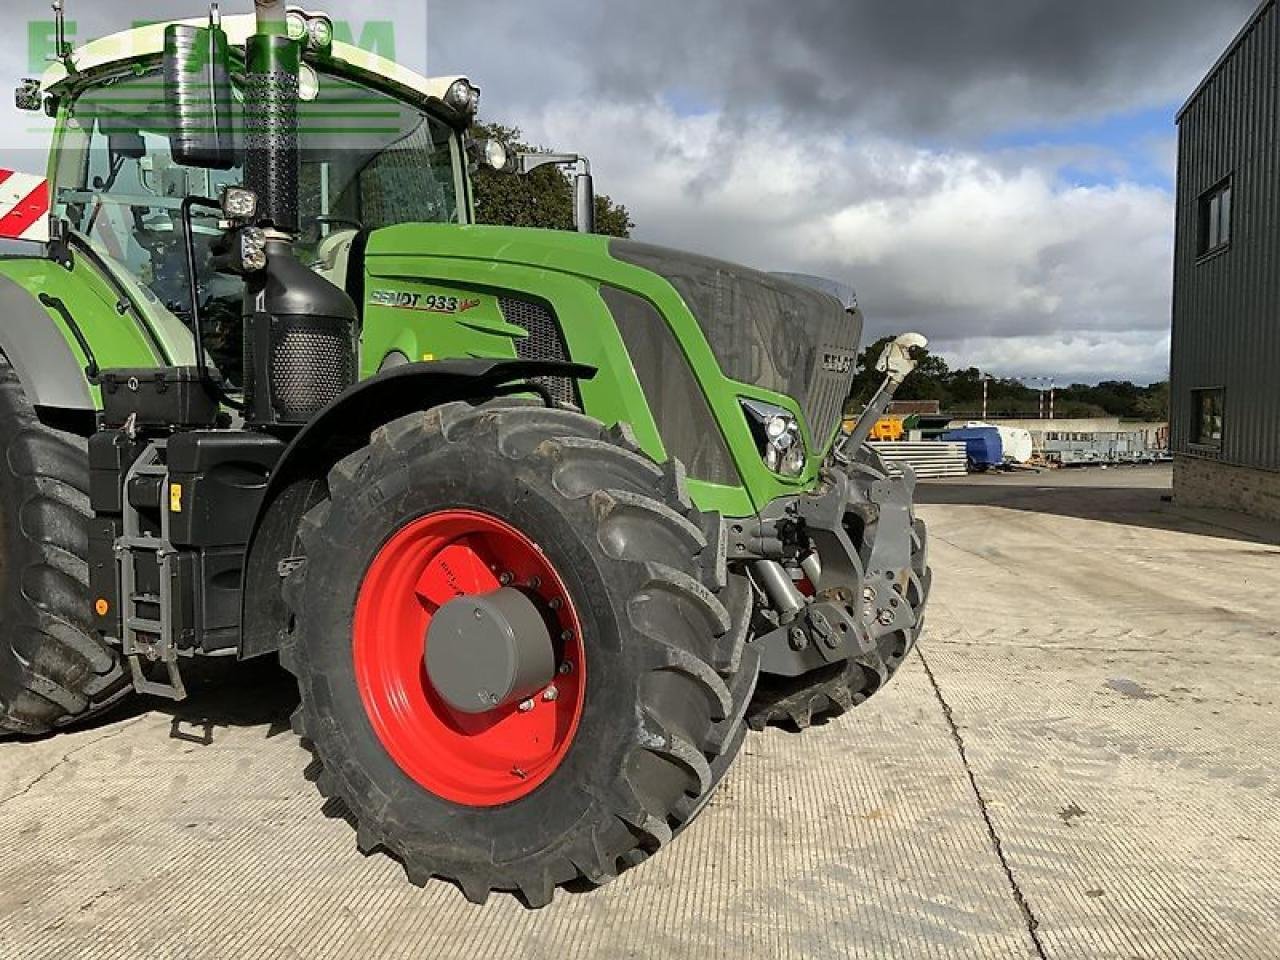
51	373
764	330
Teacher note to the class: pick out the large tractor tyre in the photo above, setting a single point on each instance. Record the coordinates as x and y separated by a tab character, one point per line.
834	690
466	512
53	670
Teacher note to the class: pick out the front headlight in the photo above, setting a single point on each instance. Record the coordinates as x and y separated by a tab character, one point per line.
778	435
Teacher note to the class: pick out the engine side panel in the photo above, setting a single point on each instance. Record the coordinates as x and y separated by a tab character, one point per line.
568	272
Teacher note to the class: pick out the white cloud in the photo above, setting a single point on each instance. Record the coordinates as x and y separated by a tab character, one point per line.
995	258
988	252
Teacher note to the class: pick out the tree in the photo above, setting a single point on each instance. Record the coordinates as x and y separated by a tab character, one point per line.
544	198
1154	405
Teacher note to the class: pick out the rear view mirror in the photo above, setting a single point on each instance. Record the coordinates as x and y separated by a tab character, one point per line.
126	145
198	96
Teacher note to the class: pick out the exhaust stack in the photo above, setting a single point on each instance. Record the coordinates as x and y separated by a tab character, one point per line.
299	329
271	119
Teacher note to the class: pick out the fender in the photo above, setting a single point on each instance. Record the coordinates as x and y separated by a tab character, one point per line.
298	481
52	374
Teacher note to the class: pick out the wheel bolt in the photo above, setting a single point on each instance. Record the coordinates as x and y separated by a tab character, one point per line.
886	617
525	706
566	667
550	695
869	595
505	579
556	603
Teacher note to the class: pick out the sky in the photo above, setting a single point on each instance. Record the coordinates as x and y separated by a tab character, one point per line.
996	174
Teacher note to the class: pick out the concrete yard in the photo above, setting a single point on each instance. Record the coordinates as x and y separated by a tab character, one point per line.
1084	761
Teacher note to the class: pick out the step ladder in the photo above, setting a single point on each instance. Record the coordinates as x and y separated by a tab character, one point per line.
146	638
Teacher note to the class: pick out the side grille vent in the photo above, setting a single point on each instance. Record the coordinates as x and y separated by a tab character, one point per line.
545	341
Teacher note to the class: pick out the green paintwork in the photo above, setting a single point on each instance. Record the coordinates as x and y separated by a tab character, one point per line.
456	273
474	264
117	340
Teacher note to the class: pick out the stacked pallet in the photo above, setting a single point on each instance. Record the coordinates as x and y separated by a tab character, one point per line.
930	459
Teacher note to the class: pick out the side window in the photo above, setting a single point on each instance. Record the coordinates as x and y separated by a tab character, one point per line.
1206	408
1215	213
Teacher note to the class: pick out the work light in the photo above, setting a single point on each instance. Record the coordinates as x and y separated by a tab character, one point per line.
239	203
253	250
315	30
320	32
463	97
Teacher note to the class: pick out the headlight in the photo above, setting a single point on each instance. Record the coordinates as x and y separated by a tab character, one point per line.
778	435
463	97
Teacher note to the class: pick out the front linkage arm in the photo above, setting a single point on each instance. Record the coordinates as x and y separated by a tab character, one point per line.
858	588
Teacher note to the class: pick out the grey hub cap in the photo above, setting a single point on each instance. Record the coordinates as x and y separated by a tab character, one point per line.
489	651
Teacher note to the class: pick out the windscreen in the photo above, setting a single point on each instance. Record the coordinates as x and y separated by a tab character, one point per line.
368	161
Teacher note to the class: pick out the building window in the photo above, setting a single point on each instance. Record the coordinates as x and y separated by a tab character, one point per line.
1206	407
1215	218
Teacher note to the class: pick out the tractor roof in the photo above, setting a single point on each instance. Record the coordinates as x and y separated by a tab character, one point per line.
142	43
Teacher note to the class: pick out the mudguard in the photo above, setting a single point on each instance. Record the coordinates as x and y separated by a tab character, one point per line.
343	427
51	370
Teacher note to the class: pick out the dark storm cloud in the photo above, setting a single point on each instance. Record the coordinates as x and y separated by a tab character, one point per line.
927	69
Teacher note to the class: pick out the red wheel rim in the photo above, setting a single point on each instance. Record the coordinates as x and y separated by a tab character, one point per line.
480	760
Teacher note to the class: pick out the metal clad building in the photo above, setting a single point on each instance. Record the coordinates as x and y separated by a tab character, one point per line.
1225	391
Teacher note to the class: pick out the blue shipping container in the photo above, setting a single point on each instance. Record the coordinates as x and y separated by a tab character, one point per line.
982	445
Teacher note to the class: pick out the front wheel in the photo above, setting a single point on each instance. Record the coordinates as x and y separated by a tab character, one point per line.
54	670
511	649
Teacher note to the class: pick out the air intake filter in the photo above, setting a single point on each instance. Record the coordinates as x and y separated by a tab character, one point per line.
300	351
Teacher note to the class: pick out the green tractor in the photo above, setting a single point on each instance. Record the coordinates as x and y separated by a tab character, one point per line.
541	522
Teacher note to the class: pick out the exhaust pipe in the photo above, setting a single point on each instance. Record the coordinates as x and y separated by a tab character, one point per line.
299	329
271	119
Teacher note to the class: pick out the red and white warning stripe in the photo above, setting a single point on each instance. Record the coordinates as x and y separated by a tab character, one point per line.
24	207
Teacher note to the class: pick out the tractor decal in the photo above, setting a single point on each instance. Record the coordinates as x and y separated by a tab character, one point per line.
423	303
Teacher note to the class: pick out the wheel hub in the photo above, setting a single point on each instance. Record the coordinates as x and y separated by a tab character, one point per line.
489	651
469	657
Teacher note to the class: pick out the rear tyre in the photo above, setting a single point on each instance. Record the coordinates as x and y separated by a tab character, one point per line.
816	697
644	723
53	669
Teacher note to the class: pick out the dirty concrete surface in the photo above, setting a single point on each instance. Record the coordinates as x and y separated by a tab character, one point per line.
1081	762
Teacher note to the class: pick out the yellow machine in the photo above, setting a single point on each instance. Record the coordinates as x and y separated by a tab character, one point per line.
886	428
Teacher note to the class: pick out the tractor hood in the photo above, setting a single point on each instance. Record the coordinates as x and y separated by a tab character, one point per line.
764	330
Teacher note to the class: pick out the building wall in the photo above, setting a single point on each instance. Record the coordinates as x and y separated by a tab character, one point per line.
1206	483
1226	316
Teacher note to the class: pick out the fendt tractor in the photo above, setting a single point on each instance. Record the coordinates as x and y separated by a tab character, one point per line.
541	522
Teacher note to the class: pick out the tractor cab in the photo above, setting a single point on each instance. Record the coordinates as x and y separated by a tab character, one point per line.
378	146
